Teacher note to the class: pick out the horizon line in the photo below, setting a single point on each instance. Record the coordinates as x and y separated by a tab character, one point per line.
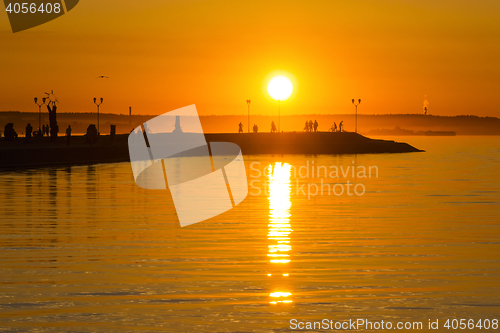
267	115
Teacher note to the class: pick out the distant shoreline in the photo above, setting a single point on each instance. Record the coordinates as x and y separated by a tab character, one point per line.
398	131
461	125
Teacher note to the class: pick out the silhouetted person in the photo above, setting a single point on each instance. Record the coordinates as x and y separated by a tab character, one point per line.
47	129
306	126
240	128
255	128
43	130
334	128
341	126
273	127
68	135
9	133
310	125
29	132
315	125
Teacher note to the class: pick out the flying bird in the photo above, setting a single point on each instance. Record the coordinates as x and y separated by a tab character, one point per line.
102	77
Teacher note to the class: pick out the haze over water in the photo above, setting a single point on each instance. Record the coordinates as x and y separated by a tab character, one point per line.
84	249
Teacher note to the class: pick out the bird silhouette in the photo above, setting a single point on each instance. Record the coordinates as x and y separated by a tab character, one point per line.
102	77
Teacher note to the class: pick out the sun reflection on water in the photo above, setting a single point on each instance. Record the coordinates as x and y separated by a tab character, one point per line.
279	229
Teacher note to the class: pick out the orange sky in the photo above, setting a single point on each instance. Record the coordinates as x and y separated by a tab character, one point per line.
165	54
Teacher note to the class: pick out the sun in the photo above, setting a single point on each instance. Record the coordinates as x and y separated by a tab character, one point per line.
280	88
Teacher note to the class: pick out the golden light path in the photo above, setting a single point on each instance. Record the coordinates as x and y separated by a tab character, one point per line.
279	227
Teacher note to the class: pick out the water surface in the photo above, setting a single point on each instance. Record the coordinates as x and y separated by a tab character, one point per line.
84	249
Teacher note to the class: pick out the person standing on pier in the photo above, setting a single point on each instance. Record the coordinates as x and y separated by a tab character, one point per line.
315	125
68	134
240	130
341	126
29	131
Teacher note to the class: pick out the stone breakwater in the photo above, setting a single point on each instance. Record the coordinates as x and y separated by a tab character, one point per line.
21	154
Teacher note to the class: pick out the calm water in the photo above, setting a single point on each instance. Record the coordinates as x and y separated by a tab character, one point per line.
85	250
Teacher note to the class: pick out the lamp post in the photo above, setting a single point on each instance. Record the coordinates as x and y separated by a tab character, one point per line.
40	113
279	116
356	118
248	103
98	104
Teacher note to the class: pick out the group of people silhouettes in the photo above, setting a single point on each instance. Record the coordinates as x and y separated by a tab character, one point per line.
334	127
310	126
45	130
10	134
255	128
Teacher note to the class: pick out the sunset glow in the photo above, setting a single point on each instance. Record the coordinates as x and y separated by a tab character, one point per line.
169	54
280	88
201	166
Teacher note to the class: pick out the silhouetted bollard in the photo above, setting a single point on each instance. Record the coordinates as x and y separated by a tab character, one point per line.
91	136
112	132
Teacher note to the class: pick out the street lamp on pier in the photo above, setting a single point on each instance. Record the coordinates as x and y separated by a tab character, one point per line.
248	103
356	117
98	104
40	113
